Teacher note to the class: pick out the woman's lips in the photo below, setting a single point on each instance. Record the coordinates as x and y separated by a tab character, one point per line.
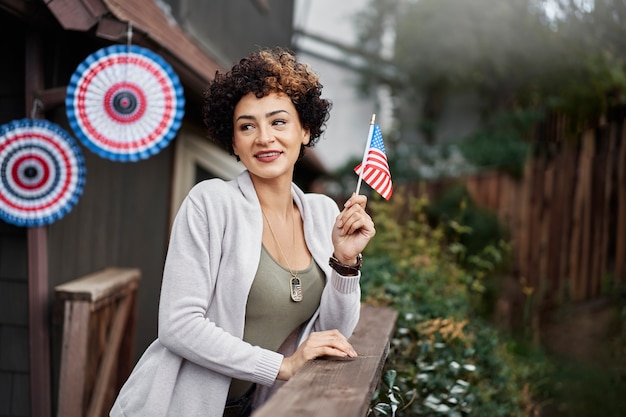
267	156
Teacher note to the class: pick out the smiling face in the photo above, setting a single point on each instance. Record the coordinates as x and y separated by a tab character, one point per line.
268	135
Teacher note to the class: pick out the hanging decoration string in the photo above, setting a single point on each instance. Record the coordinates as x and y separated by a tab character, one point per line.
37	105
129	35
129	43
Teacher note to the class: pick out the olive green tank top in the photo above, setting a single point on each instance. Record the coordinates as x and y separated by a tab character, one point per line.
271	315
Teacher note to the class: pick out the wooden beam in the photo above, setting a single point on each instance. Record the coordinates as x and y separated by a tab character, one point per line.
17	7
109	361
38	296
39	323
112	29
99	287
52	97
76	15
74	354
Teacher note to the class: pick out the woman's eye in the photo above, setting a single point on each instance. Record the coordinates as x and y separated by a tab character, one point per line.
245	127
279	122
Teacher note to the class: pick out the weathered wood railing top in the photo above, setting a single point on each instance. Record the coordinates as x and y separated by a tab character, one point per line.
100	286
339	387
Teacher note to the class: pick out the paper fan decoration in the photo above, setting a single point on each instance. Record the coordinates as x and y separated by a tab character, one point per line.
125	103
42	172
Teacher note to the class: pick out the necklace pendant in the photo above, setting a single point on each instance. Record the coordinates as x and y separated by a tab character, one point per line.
296	289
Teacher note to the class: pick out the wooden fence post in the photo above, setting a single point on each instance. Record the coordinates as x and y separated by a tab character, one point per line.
620	246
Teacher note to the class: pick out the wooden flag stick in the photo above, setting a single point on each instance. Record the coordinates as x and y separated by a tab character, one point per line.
367	148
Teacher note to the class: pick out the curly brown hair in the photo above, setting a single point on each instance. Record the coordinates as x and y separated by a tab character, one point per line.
267	71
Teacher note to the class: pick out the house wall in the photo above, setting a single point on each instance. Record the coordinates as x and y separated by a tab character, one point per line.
14	361
14	365
123	216
121	219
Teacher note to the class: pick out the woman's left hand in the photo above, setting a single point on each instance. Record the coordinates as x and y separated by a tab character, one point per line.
353	230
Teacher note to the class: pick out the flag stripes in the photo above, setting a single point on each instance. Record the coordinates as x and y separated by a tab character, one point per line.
376	172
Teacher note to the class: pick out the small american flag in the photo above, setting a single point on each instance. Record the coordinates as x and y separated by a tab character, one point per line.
376	172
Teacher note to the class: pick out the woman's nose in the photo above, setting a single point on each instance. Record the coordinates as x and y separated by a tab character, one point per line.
264	136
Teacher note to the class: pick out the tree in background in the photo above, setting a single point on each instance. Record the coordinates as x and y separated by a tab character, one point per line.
518	59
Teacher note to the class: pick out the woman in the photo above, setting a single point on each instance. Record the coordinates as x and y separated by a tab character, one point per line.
259	277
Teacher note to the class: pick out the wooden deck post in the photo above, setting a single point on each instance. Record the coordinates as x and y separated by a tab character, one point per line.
98	319
38	295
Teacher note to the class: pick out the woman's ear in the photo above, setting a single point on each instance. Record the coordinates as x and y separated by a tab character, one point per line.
306	138
232	145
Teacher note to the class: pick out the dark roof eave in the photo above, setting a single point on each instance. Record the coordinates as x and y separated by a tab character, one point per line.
152	27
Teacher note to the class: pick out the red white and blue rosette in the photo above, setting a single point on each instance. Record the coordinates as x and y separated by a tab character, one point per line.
125	103
42	172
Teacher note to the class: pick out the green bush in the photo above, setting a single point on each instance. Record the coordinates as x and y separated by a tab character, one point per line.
503	144
445	360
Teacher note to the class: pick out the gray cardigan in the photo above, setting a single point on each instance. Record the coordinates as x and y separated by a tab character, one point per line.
213	255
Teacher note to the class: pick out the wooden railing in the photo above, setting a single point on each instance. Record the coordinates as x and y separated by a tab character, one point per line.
339	388
98	313
97	354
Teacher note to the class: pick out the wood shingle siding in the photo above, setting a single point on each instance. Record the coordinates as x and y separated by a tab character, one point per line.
14	366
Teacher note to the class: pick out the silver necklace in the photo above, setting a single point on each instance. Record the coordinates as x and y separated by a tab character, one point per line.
295	286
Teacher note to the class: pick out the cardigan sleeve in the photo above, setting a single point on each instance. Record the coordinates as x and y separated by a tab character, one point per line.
188	287
340	306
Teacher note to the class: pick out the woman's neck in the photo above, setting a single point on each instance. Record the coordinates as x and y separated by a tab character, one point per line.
275	197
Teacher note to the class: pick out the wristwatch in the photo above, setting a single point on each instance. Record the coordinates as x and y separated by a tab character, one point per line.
346	270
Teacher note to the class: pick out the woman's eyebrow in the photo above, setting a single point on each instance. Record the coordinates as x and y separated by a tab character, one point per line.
275	112
245	116
270	114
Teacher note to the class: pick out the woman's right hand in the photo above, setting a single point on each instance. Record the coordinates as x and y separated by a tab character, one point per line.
326	343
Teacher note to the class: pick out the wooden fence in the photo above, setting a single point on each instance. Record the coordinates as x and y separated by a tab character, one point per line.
567	216
97	354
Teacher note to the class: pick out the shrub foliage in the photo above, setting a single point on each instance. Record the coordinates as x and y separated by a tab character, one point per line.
445	360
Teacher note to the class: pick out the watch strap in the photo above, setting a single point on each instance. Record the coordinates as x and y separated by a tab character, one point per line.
346	270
